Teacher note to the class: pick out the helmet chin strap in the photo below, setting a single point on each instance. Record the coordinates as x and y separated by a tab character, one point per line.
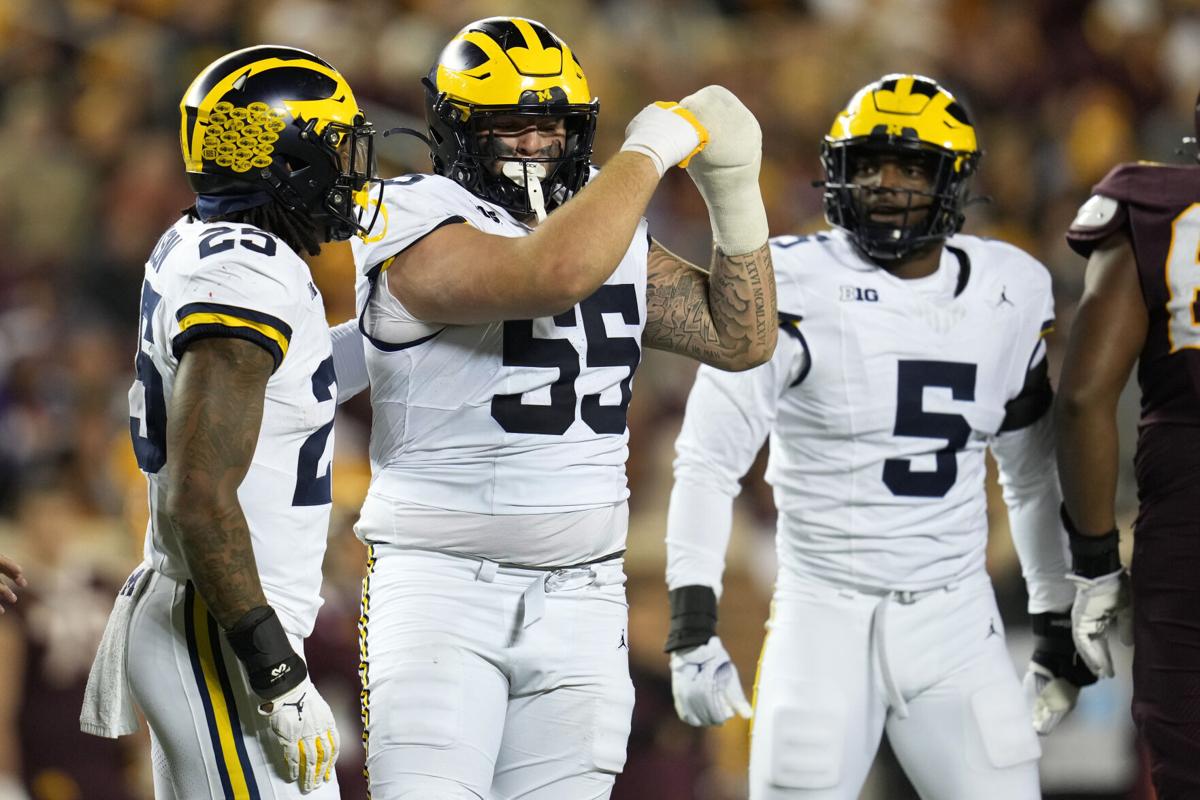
528	174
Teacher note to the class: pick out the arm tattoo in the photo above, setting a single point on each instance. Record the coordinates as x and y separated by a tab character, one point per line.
212	431
725	318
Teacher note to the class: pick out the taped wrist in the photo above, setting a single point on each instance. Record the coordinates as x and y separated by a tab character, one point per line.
693	617
1091	556
260	643
736	212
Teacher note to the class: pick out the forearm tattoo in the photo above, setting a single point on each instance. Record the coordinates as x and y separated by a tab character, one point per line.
212	432
725	318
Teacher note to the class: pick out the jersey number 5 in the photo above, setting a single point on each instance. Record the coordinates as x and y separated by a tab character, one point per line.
913	420
523	349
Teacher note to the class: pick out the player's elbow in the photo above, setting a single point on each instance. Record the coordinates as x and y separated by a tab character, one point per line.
1076	401
758	352
191	503
763	348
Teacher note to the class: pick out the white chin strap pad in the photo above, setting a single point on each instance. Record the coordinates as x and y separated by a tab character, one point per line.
528	174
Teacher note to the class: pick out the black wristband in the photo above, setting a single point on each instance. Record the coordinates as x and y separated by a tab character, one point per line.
1091	556
1054	648
1052	632
693	617
260	643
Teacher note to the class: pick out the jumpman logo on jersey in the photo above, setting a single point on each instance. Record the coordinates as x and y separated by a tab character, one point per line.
622	642
992	629
1004	298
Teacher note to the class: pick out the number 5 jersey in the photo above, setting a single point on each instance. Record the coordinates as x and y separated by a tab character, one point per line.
233	280
881	400
511	418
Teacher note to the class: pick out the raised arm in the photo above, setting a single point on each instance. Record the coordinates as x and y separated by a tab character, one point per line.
460	275
725	317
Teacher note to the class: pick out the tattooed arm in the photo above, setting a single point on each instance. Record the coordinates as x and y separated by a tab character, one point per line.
725	318
212	431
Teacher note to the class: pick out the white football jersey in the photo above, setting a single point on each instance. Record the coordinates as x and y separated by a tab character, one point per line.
514	417
881	400
235	280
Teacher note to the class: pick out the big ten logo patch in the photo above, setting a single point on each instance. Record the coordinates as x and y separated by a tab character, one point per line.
858	294
241	138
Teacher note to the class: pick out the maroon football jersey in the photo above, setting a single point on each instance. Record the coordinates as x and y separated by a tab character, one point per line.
1159	207
61	618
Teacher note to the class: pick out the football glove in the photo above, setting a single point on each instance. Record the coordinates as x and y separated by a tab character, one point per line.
1100	603
726	171
304	726
1056	673
666	132
705	683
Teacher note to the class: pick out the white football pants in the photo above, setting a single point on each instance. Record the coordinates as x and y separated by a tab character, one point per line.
840	666
207	738
491	682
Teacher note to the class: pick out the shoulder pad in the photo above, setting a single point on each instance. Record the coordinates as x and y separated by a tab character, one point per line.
1097	212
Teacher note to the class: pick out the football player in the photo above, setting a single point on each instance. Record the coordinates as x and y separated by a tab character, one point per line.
908	351
231	415
1140	232
507	304
11	570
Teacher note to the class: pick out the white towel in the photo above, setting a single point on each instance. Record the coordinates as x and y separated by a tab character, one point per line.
107	705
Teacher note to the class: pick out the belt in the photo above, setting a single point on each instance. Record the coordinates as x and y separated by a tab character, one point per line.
879	637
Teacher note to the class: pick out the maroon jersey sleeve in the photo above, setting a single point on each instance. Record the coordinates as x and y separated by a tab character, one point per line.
1152	188
1154	203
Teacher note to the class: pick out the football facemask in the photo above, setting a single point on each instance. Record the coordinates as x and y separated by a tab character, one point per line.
908	118
505	68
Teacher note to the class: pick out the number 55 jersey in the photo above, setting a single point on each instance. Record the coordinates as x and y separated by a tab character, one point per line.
880	401
234	280
503	420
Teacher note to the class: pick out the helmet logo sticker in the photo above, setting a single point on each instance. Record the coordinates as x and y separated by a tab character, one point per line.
240	138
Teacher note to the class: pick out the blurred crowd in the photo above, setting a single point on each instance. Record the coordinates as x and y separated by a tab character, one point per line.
90	168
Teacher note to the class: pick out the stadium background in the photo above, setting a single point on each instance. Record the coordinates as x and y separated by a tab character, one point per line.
90	171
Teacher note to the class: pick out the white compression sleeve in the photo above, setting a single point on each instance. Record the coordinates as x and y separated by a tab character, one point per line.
349	359
1029	479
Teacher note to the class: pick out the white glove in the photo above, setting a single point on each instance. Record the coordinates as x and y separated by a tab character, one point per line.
1099	603
303	724
666	132
706	685
726	172
1051	698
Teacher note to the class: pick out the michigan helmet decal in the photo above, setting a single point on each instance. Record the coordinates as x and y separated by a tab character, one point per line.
900	114
506	66
280	123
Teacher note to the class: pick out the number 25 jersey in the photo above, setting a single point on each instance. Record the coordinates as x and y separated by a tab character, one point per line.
512	417
235	280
